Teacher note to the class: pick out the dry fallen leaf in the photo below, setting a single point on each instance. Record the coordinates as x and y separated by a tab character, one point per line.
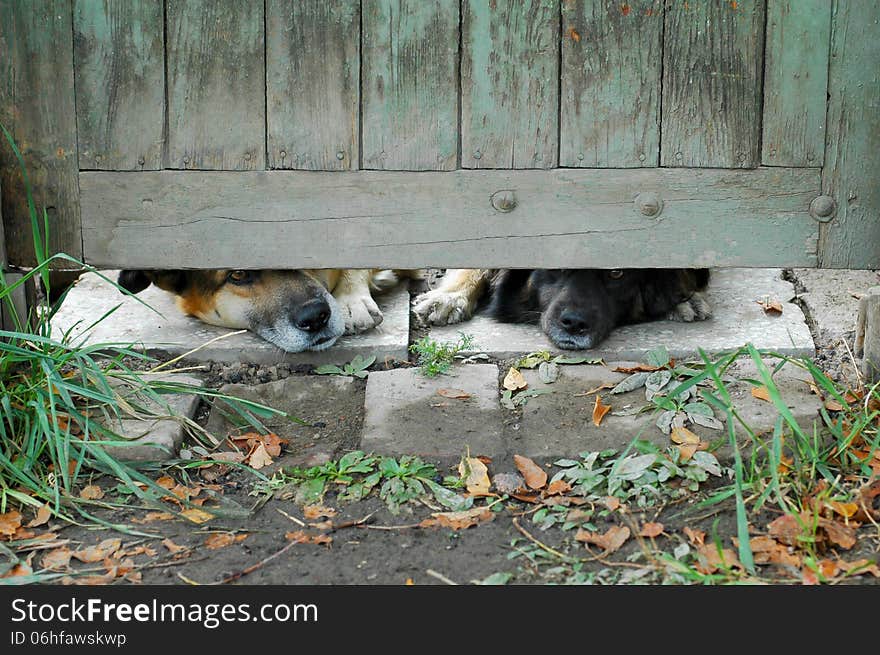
711	559
534	475
684	436
767	550
9	523
223	539
476	475
196	515
638	368
259	457
787	529
514	380
19	570
42	517
833	406
761	393
149	517
98	552
599	411
846	510
557	487
651	530
173	547
770	305
610	541
860	567
612	503
166	482
459	520
455	394
92	492
839	534
57	559
301	537
573	35
695	537
313	512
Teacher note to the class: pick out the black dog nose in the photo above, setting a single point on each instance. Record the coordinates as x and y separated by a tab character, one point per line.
312	316
573	321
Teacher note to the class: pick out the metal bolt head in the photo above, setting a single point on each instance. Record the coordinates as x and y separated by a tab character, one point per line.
282	154
580	156
186	160
247	156
504	200
823	208
340	155
649	203
141	161
642	156
477	154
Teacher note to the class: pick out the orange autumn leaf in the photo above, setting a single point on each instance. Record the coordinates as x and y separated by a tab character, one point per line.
599	411
846	510
455	394
695	537
839	534
651	530
92	492
57	559
573	35
787	529
557	487
770	306
534	475
196	515
98	552
681	435
301	537
173	547
711	559
833	406
612	503
42	517
860	567
313	512
9	523
166	482
149	517
514	380
767	550
610	541
223	539
19	570
761	393
259	457
459	520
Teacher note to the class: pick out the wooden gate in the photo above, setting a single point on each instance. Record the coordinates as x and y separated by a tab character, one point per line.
409	133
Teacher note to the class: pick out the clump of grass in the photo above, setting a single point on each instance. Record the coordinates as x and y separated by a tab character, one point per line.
436	358
58	399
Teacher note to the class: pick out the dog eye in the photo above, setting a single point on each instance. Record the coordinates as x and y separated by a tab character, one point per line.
615	274
240	277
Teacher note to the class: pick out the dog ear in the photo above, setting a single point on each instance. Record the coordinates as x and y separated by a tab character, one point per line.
133	281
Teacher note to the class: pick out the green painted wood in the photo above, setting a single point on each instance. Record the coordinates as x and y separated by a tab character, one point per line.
312	84
362	219
510	83
216	85
795	82
712	62
852	154
119	59
37	105
611	68
410	84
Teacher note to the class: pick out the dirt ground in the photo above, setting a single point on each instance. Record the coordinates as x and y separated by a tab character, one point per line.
267	538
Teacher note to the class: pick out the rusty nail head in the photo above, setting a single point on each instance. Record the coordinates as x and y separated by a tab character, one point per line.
823	208
649	203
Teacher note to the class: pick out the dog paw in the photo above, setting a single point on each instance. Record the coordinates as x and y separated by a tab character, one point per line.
443	307
360	312
695	308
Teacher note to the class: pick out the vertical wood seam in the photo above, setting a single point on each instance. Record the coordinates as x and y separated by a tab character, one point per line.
165	128
71	4
265	86
658	161
762	80
824	228
360	103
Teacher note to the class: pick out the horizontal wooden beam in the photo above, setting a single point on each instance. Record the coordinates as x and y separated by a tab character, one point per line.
561	218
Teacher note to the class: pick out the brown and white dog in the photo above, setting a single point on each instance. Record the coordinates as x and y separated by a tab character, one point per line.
296	310
576	308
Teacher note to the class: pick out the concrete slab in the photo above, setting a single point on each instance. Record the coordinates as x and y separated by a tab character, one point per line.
329	407
405	414
559	423
154	439
737	319
832	296
170	332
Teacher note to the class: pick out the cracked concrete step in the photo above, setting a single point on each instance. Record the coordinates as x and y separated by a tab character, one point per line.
170	332
737	319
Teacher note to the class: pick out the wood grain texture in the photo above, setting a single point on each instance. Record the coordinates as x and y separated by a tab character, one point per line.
795	82
312	84
712	61
37	105
510	83
560	218
216	85
611	69
119	58
410	84
852	154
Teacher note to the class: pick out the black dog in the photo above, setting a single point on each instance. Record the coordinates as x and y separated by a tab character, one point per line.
576	308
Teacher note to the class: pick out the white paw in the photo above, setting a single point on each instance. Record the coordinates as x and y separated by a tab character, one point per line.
695	308
443	307
359	311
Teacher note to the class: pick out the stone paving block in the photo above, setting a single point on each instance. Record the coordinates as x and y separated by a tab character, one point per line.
559	423
831	296
405	415
156	439
330	407
737	319
171	332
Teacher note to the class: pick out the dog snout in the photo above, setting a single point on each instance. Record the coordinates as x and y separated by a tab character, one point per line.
312	316
573	321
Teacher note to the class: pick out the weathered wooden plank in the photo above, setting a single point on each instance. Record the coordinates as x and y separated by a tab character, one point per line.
852	154
611	67
559	218
712	61
37	105
312	84
795	82
119	59
216	85
410	84
510	83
